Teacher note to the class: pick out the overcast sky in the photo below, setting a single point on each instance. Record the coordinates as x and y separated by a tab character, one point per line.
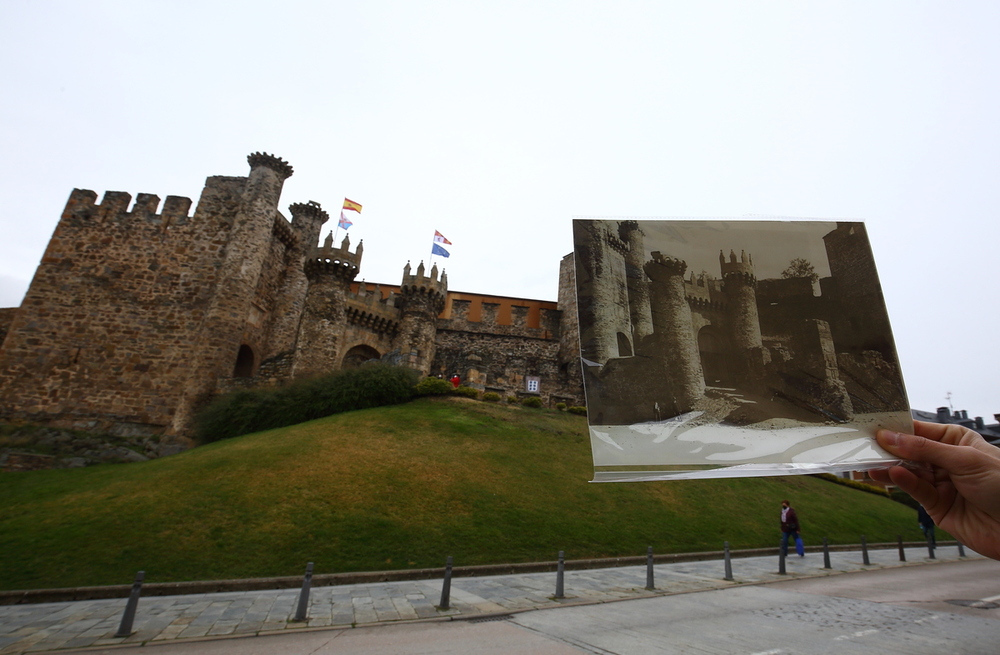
496	123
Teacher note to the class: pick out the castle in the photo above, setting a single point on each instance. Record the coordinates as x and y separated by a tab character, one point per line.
659	341
134	319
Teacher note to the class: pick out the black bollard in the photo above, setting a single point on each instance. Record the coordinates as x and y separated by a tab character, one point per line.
961	549
125	628
781	561
560	572
649	568
902	553
864	551
930	548
826	554
446	587
729	564
301	613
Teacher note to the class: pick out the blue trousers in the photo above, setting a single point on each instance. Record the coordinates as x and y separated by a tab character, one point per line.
785	536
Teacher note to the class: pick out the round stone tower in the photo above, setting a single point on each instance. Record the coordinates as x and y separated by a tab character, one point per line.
638	285
330	272
307	221
740	287
420	301
674	332
247	248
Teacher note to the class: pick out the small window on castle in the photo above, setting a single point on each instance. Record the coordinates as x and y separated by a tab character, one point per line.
624	347
244	362
531	384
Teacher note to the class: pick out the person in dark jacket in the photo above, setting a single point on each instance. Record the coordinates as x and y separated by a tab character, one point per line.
926	525
789	525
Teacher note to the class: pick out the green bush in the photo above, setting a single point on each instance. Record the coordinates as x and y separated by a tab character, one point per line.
253	410
532	401
434	387
576	409
491	397
854	484
901	496
512	400
467	392
561	407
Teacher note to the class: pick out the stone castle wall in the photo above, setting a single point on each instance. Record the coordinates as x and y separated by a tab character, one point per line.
135	318
111	318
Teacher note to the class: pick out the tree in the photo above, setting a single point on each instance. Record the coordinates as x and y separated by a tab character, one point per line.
800	267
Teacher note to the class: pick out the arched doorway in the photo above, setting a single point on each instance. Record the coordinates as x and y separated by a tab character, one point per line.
624	346
713	358
244	362
358	355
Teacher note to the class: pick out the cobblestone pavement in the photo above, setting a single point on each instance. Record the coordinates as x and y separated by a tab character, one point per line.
82	624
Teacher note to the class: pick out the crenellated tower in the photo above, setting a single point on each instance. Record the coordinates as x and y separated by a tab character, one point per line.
307	221
638	284
230	308
674	340
421	299
330	272
740	287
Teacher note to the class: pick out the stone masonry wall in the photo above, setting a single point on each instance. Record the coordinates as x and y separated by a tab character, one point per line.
106	331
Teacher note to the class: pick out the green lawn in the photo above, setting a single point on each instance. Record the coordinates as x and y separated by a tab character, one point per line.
389	488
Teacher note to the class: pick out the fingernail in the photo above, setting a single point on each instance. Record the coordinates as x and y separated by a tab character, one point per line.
888	438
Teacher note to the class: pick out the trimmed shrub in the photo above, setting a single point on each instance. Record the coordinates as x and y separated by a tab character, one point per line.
467	392
561	407
434	387
491	397
854	484
532	401
576	409
512	400
253	410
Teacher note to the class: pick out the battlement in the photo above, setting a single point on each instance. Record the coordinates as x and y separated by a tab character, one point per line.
369	309
114	207
742	268
276	164
307	211
421	283
664	264
339	262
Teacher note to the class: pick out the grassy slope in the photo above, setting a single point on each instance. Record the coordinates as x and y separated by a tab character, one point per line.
391	487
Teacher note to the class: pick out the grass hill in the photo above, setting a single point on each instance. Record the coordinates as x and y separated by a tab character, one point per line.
391	488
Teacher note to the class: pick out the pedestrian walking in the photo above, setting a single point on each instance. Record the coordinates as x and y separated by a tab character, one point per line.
790	529
926	525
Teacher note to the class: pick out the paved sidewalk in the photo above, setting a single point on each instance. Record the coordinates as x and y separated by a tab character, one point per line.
81	624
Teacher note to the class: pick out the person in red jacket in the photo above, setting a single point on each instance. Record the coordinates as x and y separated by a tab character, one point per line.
455	380
789	525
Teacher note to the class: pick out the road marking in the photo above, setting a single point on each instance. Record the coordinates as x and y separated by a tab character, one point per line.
776	651
862	633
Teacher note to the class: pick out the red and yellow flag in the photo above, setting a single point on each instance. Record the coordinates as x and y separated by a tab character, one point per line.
352	206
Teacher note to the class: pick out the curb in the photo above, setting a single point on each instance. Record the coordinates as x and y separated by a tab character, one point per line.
58	595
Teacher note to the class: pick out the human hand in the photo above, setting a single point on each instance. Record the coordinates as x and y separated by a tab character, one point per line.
960	488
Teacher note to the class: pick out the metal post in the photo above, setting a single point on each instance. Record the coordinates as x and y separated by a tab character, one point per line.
826	554
446	587
864	551
125	628
560	568
930	547
649	568
301	614
781	560
902	553
729	564
961	549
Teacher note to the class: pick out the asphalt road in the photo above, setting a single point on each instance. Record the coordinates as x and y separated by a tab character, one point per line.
885	611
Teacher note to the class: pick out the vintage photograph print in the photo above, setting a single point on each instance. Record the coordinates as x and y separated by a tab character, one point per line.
724	348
